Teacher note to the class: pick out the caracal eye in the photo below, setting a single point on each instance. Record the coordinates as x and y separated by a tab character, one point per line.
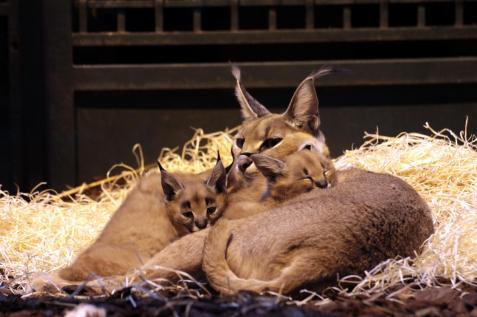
239	142
210	210
188	214
186	205
269	143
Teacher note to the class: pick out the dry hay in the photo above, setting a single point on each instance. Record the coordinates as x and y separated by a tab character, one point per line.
42	231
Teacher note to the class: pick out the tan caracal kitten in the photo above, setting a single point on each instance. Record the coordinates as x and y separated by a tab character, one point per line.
345	229
160	209
284	180
300	172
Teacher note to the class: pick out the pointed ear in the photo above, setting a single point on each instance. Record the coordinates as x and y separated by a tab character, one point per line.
218	176
268	166
303	108
170	184
251	108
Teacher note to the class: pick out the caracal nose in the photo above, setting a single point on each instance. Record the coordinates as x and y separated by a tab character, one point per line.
321	183
244	161
201	224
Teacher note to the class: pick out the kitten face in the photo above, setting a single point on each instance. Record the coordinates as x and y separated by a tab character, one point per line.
192	202
196	206
301	172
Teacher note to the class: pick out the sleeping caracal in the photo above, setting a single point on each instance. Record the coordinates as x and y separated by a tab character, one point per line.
346	229
161	208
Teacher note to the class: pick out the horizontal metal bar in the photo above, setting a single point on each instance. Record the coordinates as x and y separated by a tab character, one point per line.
275	74
223	3
271	37
4	9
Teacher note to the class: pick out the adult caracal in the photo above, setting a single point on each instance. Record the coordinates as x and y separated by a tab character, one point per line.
348	228
151	217
273	134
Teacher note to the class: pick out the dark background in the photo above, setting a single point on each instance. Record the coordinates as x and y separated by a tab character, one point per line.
82	81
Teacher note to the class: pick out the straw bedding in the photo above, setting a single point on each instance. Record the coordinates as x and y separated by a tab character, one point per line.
44	230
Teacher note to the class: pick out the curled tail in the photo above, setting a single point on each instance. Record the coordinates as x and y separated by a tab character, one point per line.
214	262
217	269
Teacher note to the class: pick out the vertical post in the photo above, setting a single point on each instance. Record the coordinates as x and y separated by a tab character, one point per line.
121	21
272	18
83	16
383	14
234	15
421	15
310	14
59	92
459	13
197	20
347	17
158	14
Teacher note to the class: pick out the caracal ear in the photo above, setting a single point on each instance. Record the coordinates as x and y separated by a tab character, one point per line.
251	108
170	184
302	111
218	177
268	166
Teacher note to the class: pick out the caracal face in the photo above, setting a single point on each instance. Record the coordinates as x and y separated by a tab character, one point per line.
193	203
301	172
279	135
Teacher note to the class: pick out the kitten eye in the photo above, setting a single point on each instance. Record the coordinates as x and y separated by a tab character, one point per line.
188	214
185	205
239	142
269	143
211	210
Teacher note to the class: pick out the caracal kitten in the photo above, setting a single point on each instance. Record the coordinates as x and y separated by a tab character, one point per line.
160	209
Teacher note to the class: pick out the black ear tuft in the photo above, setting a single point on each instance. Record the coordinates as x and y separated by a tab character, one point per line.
170	184
303	108
160	166
218	176
251	108
268	166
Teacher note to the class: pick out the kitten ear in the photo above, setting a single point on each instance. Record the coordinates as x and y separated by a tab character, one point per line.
251	108
170	184
303	108
268	166
218	176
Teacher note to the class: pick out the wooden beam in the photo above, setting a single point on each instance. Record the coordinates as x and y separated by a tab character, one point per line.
275	37
276	74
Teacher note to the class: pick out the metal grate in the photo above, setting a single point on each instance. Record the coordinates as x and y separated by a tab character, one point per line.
363	20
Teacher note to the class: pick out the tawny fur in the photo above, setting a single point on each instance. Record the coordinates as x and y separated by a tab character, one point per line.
297	127
185	254
346	229
143	225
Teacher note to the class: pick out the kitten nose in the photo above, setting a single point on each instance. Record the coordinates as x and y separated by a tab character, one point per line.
201	224
244	161
321	183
